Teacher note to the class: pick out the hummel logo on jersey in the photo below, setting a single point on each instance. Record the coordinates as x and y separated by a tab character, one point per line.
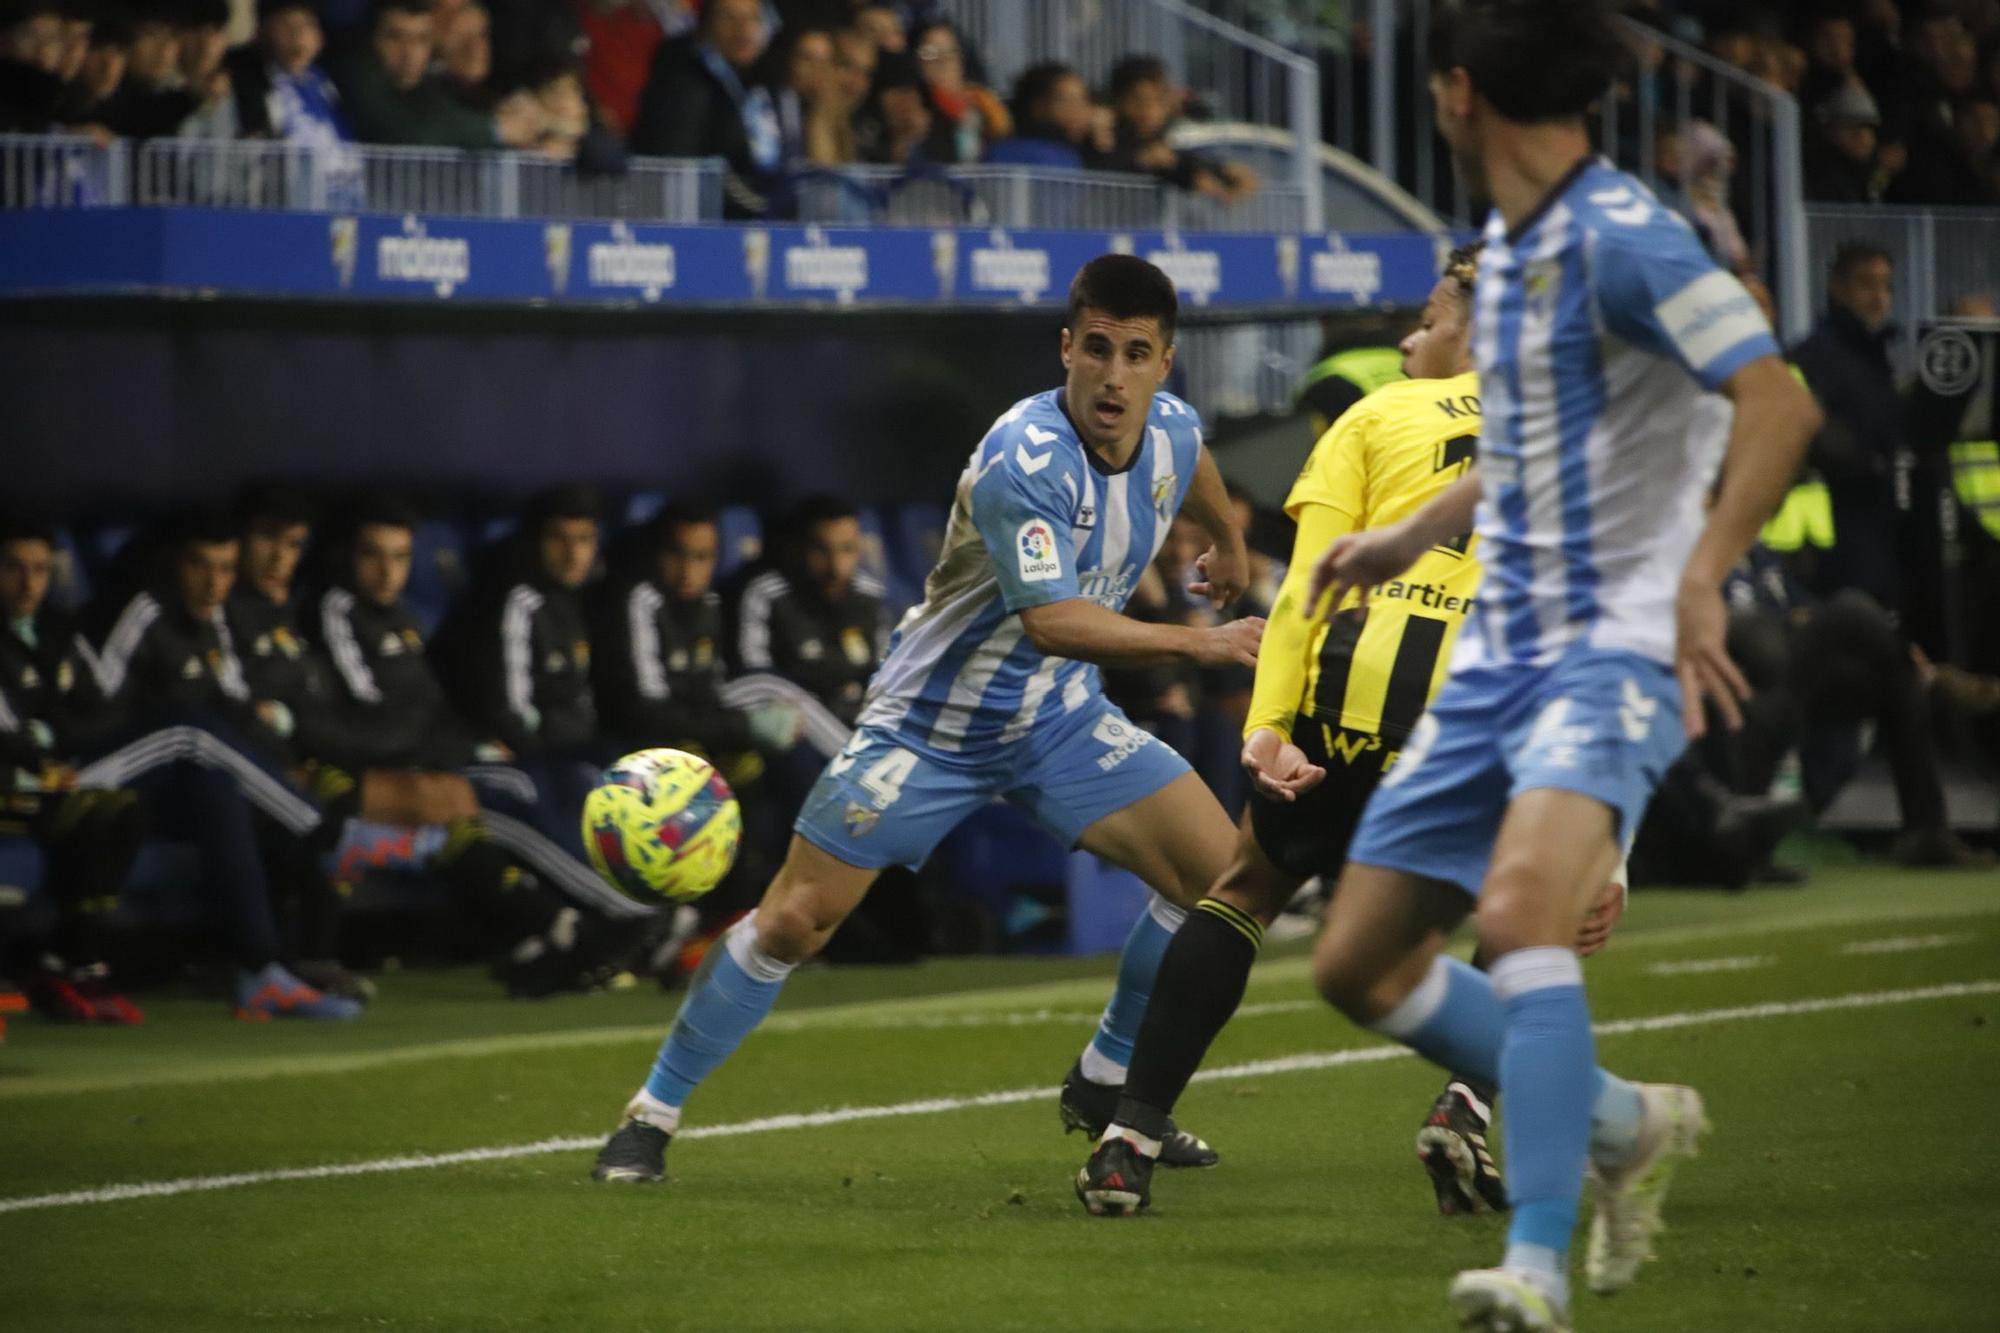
1040	438
1031	463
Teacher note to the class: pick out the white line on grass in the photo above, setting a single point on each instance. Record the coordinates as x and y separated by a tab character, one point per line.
845	1115
1695	966
1902	943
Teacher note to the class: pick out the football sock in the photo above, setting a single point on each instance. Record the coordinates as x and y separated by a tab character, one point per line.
1451	1018
723	1008
1200	983
1548	1065
1615	1118
1484	1089
1110	1050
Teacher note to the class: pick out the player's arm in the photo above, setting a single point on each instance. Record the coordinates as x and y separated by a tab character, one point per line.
1775	420
1224	569
1277	767
1083	630
1363	560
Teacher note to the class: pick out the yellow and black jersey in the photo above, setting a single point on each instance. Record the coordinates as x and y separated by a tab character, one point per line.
1374	670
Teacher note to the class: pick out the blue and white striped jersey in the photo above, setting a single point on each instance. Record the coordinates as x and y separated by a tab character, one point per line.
1599	323
1036	520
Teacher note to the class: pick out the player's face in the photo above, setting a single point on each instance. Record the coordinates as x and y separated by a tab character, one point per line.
1439	347
382	562
687	560
832	553
1115	367
568	550
1452	105
206	571
271	554
1868	291
25	566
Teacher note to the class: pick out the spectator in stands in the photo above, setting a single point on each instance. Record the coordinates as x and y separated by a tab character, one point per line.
207	754
150	101
1845	361
814	616
87	98
79	17
465	54
895	126
1843	164
622	37
815	103
203	29
280	91
1942	74
569	133
884	27
48	693
965	116
1145	100
703	99
416	761
1976	123
854	60
1708	161
1830	58
31	60
392	98
1052	113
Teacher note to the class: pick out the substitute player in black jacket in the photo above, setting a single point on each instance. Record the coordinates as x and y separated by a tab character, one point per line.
50	707
815	617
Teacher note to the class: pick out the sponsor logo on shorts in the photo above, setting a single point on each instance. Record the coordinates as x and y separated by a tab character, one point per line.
1124	740
1035	544
1635	712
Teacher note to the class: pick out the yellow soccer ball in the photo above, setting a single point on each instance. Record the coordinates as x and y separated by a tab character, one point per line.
662	824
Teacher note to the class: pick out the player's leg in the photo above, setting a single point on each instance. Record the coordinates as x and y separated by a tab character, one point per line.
878	804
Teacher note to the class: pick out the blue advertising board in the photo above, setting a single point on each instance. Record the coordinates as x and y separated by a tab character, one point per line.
372	257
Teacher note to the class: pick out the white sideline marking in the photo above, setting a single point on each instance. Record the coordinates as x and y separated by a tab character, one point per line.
1692	966
1902	943
1315	1060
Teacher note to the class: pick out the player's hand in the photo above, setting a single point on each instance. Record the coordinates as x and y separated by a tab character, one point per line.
1221	575
1233	643
1278	768
1358	561
1701	660
1605	909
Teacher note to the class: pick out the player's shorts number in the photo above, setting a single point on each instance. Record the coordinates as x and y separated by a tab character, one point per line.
885	777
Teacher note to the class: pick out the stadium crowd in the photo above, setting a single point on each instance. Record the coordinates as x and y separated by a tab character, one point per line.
772	90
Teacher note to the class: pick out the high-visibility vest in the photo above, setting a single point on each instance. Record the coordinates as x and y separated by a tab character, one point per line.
1368	367
1806	516
1975	475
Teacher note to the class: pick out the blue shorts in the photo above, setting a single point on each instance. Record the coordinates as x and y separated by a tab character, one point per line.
1605	724
883	801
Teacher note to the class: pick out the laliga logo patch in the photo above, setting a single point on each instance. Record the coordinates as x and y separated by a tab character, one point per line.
1036	545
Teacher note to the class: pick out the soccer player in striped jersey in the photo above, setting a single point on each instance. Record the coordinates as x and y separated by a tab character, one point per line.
1599	322
991	689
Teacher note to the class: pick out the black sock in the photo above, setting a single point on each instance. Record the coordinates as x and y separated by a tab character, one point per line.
1200	983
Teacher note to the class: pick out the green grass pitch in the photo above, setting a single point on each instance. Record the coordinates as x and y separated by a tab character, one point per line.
1846	1035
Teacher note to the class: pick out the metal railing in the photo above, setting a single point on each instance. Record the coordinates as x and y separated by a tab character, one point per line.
1942	256
1026	197
1675	85
60	171
1235	74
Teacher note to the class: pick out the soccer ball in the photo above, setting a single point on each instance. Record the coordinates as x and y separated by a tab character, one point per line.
662	823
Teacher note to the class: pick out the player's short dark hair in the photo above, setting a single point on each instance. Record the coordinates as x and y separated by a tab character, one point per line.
1036	84
576	500
274	504
816	509
14	13
684	514
205	526
111	27
381	509
1852	255
1533	60
200	13
270	9
384	8
1132	71
1462	267
21	526
1124	287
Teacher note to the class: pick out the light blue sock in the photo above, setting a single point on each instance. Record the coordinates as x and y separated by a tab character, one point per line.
1548	1069
723	1009
1615	1116
1452	1019
1110	1049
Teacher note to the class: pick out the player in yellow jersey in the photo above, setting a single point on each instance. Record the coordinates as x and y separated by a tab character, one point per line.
1334	700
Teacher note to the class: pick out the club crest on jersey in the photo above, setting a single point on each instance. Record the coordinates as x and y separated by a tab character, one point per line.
1035	545
1164	491
860	819
855	644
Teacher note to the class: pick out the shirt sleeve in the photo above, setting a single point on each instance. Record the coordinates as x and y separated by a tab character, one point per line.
1336	474
1024	510
1286	654
1659	290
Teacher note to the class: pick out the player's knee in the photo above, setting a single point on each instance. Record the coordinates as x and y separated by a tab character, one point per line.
790	932
1518	909
1341	981
1251	886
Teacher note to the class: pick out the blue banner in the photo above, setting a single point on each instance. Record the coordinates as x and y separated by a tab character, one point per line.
315	255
